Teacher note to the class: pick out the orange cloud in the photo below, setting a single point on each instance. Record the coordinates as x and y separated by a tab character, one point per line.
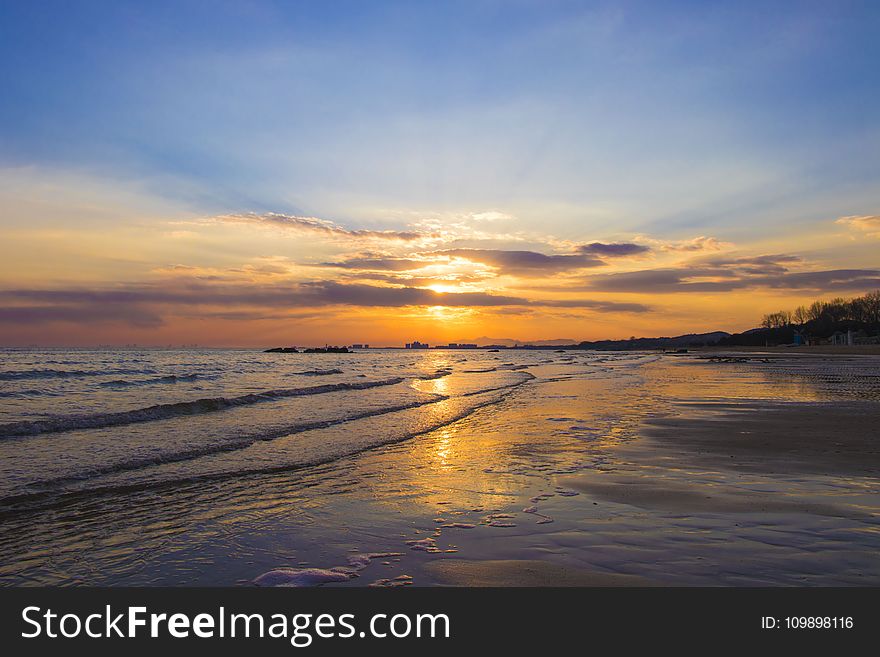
869	224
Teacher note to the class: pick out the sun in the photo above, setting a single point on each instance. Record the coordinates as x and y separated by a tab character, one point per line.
448	313
442	289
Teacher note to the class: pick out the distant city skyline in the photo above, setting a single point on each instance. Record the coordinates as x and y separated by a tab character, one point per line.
265	173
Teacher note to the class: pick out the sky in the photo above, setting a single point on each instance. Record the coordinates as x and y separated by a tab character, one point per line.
300	173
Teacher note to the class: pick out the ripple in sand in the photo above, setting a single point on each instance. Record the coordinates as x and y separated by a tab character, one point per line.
567	493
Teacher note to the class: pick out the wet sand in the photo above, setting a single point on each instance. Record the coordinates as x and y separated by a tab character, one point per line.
511	572
803	350
783	476
657	494
677	471
819	437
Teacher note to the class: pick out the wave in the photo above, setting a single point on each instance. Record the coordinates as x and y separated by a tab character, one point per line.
33	392
439	374
316	373
43	499
526	378
230	446
64	374
171	378
165	411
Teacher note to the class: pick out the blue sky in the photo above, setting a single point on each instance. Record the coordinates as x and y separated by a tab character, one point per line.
685	114
730	150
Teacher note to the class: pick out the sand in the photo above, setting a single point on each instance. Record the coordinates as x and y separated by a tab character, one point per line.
657	494
864	350
756	478
676	471
811	437
784	439
523	572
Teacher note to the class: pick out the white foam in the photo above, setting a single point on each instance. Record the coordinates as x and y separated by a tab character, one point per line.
425	544
318	576
400	580
302	577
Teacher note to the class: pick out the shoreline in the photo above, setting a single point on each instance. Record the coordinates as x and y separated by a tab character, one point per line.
601	471
817	350
737	470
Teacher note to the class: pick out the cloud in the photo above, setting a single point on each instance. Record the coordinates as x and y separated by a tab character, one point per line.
684	279
614	250
701	243
143	305
490	215
869	224
505	261
599	306
332	293
755	265
86	313
320	226
524	262
412	281
379	264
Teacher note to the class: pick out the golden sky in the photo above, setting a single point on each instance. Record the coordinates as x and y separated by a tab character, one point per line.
87	266
263	174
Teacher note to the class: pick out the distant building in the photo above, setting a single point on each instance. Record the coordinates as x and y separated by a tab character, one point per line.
415	344
841	338
360	346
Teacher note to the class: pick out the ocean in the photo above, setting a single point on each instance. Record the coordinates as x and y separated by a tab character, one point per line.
215	466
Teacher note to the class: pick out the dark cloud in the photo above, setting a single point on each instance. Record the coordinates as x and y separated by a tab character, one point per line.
524	262
755	265
143	305
599	306
833	280
693	280
331	293
84	313
614	250
403	278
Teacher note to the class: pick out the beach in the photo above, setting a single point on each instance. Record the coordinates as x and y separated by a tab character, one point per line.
450	468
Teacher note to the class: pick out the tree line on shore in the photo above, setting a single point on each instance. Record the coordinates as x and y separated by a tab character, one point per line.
820	319
864	309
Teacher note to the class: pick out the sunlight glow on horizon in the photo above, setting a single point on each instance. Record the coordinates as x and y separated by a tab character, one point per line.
576	172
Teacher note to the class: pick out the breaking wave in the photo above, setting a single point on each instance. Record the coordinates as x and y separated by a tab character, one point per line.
171	378
164	411
18	375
